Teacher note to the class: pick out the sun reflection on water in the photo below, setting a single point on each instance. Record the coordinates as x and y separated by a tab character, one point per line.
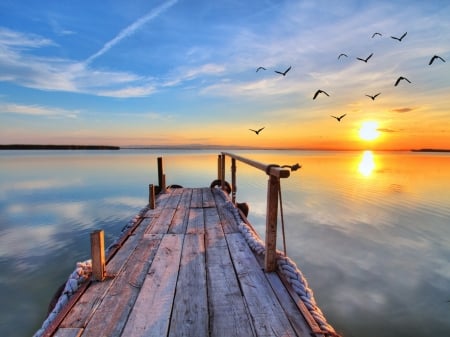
367	163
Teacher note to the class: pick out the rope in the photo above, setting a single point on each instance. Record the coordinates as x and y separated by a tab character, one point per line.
282	220
287	267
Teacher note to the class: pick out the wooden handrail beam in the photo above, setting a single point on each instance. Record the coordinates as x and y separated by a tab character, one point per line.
273	170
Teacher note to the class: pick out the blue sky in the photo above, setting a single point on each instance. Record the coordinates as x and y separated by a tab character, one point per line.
184	72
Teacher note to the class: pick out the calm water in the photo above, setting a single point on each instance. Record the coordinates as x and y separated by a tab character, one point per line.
370	231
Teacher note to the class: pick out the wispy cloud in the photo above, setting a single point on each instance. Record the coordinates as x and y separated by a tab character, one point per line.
131	29
19	40
37	110
402	110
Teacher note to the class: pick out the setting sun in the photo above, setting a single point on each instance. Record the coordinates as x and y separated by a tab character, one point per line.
369	130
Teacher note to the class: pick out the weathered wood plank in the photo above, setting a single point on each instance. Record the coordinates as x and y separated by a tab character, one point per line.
208	198
226	217
80	313
174	197
267	313
196	221
197	198
190	312
228	313
179	221
150	315
111	315
161	224
68	332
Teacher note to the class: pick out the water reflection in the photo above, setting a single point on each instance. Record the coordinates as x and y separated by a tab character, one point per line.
367	164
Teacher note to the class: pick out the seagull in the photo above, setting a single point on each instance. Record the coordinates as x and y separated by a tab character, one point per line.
376	33
373	97
260	68
365	60
285	72
401	78
257	131
339	118
400	38
318	92
342	55
434	58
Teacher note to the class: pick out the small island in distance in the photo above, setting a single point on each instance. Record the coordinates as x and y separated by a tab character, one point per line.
431	150
56	147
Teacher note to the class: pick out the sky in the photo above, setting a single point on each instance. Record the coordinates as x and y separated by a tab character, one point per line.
183	72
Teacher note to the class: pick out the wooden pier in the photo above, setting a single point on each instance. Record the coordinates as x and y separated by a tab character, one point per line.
185	269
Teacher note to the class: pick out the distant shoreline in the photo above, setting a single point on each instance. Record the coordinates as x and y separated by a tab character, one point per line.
430	150
57	147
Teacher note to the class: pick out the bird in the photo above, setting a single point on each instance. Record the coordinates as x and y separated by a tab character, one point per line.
434	58
401	78
339	118
366	59
342	54
374	96
260	68
257	131
399	38
375	34
285	72
319	92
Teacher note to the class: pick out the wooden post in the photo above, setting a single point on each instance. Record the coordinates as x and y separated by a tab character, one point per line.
233	180
271	223
98	255
222	173
151	196
219	167
160	174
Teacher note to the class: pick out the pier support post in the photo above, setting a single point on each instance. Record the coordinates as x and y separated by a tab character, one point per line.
271	223
233	180
98	255
151	196
161	178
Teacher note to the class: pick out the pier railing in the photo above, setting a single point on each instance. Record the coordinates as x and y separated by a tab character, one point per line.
275	173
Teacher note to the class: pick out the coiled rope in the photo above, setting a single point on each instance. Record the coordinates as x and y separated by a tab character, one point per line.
287	267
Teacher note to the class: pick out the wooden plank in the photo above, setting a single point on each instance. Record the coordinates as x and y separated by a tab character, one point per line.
161	224
190	311
265	309
197	198
226	217
68	332
150	315
112	313
80	313
174	197
295	316
179	221
208	198
227	310
196	221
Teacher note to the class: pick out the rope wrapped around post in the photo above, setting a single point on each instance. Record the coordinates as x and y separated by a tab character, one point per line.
288	268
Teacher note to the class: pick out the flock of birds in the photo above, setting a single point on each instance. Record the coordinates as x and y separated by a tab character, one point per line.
365	60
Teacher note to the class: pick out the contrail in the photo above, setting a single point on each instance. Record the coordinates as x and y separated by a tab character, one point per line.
131	29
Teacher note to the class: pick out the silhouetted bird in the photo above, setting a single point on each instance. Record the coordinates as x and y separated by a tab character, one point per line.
257	131
260	68
401	78
373	97
285	72
339	118
342	55
366	59
434	58
319	92
375	34
399	38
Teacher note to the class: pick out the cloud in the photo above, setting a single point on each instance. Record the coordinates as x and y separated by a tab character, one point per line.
402	110
131	29
386	130
19	40
37	110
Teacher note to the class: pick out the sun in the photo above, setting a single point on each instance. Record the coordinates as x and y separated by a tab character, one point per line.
369	130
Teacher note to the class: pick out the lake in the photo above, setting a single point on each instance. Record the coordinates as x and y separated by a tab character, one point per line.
369	230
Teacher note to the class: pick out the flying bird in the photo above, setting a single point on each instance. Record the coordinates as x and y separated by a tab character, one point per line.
257	131
319	92
399	38
375	34
374	96
260	68
342	54
366	59
339	118
285	72
401	78
434	58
